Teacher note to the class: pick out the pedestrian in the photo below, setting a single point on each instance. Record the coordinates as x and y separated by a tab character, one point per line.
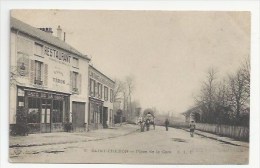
192	128
166	124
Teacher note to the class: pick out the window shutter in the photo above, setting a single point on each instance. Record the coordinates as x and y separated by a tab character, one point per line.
32	71
45	76
79	83
71	78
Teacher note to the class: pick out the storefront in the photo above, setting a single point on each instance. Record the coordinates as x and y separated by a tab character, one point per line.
48	87
96	118
45	111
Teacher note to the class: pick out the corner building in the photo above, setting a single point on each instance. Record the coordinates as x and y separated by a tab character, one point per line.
48	82
101	87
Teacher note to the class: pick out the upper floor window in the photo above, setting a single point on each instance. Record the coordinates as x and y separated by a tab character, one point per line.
38	49
111	95
38	72
105	93
75	62
99	90
74	81
92	88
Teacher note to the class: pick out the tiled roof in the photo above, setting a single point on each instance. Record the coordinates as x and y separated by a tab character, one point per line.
46	37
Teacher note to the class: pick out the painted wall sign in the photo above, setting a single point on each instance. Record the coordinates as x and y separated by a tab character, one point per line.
57	54
60	81
100	78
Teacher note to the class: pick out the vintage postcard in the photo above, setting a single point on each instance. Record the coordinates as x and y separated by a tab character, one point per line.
129	87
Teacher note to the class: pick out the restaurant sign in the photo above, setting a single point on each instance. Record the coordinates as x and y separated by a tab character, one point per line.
53	53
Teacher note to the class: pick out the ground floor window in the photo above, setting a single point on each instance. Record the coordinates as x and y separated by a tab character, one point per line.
95	112
33	115
57	111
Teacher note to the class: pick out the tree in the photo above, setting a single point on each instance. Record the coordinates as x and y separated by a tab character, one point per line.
239	91
118	90
207	96
129	87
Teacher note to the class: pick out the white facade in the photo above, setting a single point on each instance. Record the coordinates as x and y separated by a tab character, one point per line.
101	99
41	65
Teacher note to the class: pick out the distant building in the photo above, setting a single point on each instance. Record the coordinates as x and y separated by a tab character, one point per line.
101	87
193	114
47	81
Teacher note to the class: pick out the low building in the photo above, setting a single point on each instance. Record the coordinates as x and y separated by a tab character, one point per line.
101	87
47	81
193	114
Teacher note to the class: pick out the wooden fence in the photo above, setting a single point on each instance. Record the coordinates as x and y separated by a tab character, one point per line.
236	132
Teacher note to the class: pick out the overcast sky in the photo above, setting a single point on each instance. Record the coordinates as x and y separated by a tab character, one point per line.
168	53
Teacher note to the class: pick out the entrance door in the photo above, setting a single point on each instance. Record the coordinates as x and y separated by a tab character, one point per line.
78	116
46	116
105	117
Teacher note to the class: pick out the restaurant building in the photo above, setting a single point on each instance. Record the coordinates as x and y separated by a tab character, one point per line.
101	113
48	81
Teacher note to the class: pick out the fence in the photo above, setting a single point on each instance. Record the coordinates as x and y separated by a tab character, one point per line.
236	132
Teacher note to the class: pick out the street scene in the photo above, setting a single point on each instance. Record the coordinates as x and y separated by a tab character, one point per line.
129	87
125	144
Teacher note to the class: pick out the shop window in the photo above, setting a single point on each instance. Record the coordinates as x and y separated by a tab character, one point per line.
38	49
105	93
101	116
111	116
57	111
38	73
111	95
33	110
91	113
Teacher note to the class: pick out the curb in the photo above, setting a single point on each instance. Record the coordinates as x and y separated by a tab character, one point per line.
220	140
70	142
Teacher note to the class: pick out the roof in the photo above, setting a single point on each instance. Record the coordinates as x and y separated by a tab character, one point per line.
91	66
16	24
191	110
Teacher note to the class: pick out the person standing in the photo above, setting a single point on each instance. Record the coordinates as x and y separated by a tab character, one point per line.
192	128
166	124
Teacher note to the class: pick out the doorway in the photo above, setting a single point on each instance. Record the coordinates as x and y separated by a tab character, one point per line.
78	116
105	117
46	115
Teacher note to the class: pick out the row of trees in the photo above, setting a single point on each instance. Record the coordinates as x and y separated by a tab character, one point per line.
226	100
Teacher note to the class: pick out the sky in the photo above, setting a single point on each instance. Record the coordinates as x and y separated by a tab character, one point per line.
167	52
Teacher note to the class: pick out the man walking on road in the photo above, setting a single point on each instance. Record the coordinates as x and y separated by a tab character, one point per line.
166	124
192	128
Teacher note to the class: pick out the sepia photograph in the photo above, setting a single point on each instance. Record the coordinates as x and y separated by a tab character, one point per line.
129	87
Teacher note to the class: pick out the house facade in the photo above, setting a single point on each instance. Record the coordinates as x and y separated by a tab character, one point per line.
48	81
101	114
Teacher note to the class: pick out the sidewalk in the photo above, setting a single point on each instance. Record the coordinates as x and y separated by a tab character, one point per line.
221	139
70	137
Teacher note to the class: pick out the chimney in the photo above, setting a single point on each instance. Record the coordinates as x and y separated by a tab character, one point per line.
59	32
64	38
46	29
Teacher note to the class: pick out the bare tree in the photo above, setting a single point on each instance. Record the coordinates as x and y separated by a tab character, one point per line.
118	90
129	88
207	96
246	74
239	90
